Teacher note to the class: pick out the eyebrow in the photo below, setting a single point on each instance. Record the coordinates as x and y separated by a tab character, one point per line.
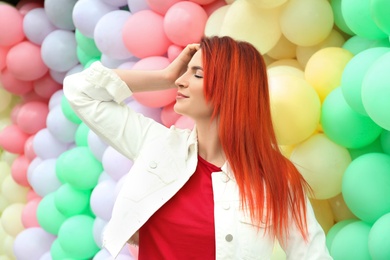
196	68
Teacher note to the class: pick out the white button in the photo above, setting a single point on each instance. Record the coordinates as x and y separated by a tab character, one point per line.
153	165
225	178
226	205
229	237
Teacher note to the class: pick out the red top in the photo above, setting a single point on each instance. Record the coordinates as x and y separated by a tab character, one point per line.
183	228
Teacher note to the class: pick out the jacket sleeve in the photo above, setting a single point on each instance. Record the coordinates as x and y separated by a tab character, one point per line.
314	248
96	95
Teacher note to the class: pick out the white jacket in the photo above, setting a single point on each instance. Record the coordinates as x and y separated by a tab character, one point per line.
164	159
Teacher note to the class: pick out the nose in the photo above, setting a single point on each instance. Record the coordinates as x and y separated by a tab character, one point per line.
182	81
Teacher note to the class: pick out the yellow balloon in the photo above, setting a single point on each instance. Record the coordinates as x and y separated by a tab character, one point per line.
267	3
4	122
5	170
340	209
215	20
8	157
229	1
246	22
306	22
3	204
5	99
284	49
295	108
323	213
322	163
287	62
278	252
286	150
275	70
13	192
5	257
268	60
11	219
303	53
9	247
325	68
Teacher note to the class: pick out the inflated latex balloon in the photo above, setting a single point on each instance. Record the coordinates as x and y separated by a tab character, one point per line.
323	213
357	44
295	108
13	85
268	3
160	7
322	163
32	117
385	141
81	135
306	22
60	127
374	147
212	7
32	243
338	17
334	39
168	115
243	17
108	34
376	91
68	111
13	192
71	201
46	86
36	25
117	3
102	199
11	25
340	209
115	164
335	229
284	49
48	215
11	219
96	145
144	36
3	55
365	186
5	99
43	178
324	69
19	170
87	44
344	126
46	146
378	238
60	13
357	15
215	20
87	13
138	5
29	213
380	15
98	227
58	50
354	73
12	139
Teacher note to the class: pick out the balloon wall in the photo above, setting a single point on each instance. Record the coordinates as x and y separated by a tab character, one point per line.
328	65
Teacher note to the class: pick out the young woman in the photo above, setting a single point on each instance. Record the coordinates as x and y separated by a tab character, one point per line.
220	191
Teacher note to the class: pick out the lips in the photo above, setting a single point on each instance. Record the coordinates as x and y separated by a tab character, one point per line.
180	95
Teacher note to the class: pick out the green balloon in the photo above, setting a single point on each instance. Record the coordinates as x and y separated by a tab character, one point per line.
70	201
380	14
358	18
343	125
79	168
56	251
374	147
338	17
68	111
87	45
379	238
385	141
335	229
49	217
366	186
81	136
357	44
353	75
76	237
351	242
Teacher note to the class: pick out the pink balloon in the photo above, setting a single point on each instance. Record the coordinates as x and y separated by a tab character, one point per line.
29	214
12	139
32	117
185	122
168	115
14	112
3	55
29	148
46	86
143	34
32	96
23	68
11	25
158	98
174	51
31	194
184	23
19	170
27	7
211	7
161	7
14	85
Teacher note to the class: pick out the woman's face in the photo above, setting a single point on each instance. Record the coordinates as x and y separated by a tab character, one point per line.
190	100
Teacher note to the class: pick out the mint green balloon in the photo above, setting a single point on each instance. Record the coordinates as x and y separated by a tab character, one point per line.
366	186
70	201
335	229
351	242
380	14
385	141
374	147
76	237
353	75
79	168
338	17
87	45
358	18
376	91
357	44
379	238
344	126
68	111
81	135
56	252
49	217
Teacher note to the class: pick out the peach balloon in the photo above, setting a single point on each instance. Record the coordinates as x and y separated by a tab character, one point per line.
29	214
12	139
247	22
325	68
322	163
161	7
32	117
215	20
11	25
46	86
19	170
24	68
29	149
295	108
306	22
11	219
173	52
14	85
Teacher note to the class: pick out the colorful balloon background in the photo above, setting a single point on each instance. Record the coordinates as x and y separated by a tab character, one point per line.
329	87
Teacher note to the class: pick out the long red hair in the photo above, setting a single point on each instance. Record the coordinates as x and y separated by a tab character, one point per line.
236	84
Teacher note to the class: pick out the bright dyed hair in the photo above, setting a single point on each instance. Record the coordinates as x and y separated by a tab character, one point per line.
236	84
